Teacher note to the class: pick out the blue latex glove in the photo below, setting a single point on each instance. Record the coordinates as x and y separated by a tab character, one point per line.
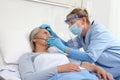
46	26
58	43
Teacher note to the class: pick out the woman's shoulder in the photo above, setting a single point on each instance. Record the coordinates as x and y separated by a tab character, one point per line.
28	55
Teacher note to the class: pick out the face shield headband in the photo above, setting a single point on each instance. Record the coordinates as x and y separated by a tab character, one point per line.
74	17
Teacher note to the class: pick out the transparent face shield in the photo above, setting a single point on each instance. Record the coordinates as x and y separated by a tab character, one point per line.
70	34
74	42
75	16
71	18
72	39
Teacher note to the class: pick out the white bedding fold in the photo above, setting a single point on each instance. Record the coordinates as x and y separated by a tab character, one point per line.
9	73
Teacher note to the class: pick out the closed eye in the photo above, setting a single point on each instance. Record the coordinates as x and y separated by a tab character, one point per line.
45	32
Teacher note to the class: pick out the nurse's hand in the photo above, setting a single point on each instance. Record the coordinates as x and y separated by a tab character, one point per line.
102	74
46	26
70	67
57	43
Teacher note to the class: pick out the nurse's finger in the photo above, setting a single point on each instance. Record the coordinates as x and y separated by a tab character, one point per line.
50	41
99	75
104	77
109	77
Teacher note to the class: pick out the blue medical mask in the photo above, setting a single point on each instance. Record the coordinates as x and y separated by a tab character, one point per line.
75	29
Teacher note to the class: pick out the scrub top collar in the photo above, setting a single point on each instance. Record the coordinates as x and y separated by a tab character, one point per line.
88	32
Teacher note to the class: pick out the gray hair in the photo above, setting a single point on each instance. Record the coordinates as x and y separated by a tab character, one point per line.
1	78
32	35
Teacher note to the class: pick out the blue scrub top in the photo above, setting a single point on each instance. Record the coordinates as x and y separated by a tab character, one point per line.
101	46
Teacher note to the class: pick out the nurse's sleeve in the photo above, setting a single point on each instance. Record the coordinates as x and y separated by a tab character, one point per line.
99	42
27	70
74	43
79	55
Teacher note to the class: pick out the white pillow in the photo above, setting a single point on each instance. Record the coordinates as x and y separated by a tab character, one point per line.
14	43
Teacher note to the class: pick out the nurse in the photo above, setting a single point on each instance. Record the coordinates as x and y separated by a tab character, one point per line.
99	44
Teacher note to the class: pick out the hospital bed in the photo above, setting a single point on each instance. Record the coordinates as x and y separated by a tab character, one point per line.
9	72
24	15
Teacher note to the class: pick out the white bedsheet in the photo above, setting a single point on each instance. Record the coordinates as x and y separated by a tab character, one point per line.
10	72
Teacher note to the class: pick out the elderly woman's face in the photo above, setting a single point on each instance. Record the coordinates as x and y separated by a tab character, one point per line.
42	36
44	33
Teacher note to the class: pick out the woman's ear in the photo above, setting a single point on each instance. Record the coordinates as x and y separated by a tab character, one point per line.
83	20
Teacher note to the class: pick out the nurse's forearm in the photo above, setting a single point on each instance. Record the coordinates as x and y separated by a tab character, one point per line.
82	56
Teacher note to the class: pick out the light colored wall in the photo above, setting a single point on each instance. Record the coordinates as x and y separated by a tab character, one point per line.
114	23
106	12
23	14
99	10
1	60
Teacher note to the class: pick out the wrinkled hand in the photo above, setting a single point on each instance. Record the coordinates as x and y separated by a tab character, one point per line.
58	43
70	67
46	26
101	73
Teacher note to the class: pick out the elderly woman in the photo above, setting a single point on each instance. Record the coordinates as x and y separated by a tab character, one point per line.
41	64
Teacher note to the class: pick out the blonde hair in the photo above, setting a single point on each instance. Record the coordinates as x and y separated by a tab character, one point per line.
32	36
79	12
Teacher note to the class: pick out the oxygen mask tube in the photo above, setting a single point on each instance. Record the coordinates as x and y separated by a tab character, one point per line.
44	38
